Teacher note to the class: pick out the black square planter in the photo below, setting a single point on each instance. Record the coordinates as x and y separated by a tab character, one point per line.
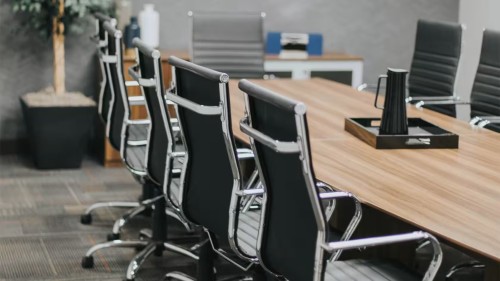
58	136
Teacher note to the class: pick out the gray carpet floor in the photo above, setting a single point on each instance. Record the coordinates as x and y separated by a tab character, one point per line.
41	237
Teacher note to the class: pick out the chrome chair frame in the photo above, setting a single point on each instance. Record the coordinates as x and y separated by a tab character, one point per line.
150	247
238	189
301	146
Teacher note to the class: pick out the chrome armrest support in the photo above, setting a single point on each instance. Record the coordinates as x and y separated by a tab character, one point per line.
244	153
137	142
435	98
482	121
278	146
136	100
178	154
137	77
138	122
355	220
366	86
132	83
392	239
250	192
462	266
107	58
200	109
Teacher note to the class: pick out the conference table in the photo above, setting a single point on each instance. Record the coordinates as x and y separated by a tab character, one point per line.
452	193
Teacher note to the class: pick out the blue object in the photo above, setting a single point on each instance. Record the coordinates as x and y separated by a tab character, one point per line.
314	48
132	30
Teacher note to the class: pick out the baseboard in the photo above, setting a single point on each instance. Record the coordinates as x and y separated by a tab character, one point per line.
16	146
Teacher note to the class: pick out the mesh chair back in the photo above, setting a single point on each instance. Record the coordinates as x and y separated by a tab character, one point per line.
120	110
435	62
231	43
211	169
160	136
485	96
292	211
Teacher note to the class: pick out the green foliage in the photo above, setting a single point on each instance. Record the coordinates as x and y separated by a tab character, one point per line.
38	14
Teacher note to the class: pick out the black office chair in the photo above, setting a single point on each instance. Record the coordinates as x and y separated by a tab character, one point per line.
277	127
232	43
485	95
144	161
211	177
100	39
137	130
435	63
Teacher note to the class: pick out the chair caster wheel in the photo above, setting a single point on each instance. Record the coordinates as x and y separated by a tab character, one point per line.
86	219
113	236
88	262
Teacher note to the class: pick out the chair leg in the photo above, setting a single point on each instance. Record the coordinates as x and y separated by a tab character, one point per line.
180	250
86	217
206	266
119	223
135	265
175	216
88	259
178	276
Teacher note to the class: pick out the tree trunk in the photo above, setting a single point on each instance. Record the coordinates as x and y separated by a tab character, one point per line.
58	46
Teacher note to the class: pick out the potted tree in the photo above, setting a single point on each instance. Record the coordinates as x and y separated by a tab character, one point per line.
58	123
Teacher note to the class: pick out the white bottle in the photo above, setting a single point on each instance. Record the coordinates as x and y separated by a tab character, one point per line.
149	21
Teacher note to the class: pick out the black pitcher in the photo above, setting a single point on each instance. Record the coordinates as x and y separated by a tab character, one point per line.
394	120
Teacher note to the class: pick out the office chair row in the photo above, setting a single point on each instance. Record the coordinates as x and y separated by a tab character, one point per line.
211	193
435	64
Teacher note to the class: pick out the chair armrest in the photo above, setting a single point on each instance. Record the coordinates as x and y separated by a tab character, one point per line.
250	192
392	239
483	123
138	122
355	220
446	100
131	83
133	71
462	266
178	154
136	100
366	86
244	153
137	142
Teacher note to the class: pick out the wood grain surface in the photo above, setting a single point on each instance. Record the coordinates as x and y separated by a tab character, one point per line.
453	193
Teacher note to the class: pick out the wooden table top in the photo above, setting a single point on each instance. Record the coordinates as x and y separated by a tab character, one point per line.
183	54
453	193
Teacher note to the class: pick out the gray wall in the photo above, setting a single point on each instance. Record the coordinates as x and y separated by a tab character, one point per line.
382	31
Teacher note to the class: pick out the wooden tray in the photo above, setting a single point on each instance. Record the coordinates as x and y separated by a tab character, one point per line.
421	134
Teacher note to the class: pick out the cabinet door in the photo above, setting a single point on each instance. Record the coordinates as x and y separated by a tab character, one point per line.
344	77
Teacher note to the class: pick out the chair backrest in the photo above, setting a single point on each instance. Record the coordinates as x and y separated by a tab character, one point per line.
229	42
435	61
211	171
485	96
293	222
160	132
119	105
102	45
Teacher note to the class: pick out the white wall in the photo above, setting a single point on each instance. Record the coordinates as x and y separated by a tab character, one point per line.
476	15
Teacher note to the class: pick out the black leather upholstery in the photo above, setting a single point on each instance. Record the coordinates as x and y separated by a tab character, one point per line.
372	270
157	108
106	98
119	104
485	96
435	62
229	42
288	248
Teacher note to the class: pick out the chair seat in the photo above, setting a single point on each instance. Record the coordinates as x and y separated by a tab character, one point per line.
138	132
248	229
369	270
135	157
